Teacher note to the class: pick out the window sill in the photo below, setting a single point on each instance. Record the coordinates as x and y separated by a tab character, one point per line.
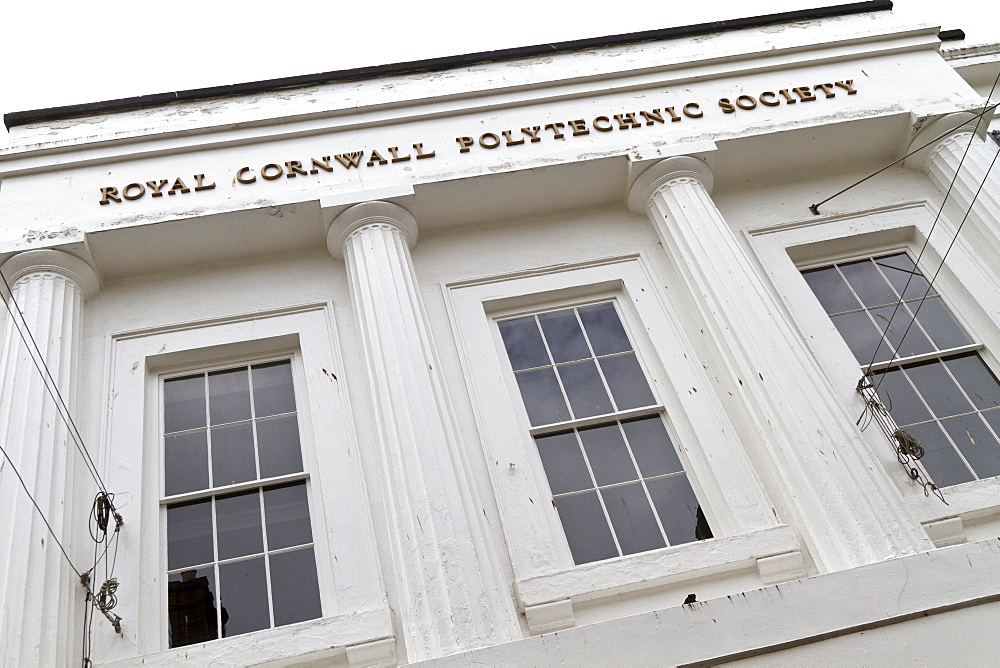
364	637
668	565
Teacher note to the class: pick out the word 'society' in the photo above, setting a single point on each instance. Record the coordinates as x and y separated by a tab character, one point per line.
487	141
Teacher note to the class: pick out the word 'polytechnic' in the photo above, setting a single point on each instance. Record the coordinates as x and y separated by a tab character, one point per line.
530	134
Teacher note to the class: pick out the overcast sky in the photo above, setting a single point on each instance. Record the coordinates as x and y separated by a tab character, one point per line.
68	52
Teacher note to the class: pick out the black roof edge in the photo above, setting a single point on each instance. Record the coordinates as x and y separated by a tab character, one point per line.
951	35
17	118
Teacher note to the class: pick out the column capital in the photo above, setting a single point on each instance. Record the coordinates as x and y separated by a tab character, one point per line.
58	262
367	214
947	127
664	172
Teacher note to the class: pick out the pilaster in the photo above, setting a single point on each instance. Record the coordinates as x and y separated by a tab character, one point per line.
848	513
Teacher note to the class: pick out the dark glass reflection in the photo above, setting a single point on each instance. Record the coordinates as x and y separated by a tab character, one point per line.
651	446
189	534
584	388
229	395
237	517
896	394
563	461
243	594
524	343
193	617
940	460
976	443
278	446
286	513
633	519
273	393
938	389
868	283
564	336
294	587
542	397
604	329
831	290
586	529
232	454
940	324
677	507
183	403
185	462
627	381
608	456
976	379
899	269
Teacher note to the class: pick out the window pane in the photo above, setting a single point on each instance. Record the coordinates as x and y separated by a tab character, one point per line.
677	507
897	395
192	613
976	443
563	461
243	594
229	395
586	529
294	588
627	381
542	398
938	389
278	444
861	336
237	518
272	389
941	325
899	326
899	269
584	388
564	336
185	462
286	513
940	459
604	329
632	518
831	290
183	403
868	283
976	379
524	344
651	446
608	455
232	454
189	534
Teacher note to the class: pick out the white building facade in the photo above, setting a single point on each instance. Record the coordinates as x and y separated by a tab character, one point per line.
504	359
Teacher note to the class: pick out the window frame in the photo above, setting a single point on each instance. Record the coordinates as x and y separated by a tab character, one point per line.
735	504
307	449
965	281
354	603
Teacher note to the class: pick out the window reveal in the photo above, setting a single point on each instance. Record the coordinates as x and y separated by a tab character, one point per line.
239	542
617	483
937	388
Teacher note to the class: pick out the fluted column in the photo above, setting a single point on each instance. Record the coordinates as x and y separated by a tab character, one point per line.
846	510
448	597
37	586
976	188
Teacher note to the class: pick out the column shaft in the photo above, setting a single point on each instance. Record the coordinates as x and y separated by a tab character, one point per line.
448	594
848	513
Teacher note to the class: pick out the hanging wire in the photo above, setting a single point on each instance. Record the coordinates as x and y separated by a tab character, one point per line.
50	385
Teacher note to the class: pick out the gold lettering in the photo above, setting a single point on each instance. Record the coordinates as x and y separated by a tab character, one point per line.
533	133
109	194
294	167
846	85
556	127
746	102
510	141
651	117
465	143
419	148
348	160
602	128
692	110
826	88
626	121
239	175
376	157
494	142
155	186
131	186
673	116
727	106
275	172
395	157
178	185
767	99
199	185
788	98
804	93
323	164
579	127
